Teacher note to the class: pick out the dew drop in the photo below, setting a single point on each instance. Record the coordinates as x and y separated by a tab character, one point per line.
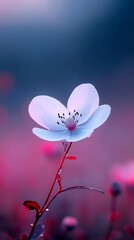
47	209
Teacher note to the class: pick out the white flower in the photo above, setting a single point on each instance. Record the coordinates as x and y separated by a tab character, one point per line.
76	122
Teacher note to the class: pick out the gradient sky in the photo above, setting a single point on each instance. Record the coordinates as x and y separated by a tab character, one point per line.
49	48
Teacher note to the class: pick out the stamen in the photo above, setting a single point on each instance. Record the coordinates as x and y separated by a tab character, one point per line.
71	121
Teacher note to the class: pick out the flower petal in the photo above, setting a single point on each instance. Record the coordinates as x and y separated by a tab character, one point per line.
50	135
44	110
98	118
85	100
78	134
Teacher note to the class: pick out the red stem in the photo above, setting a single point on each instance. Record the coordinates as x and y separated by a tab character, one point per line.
55	178
43	208
111	222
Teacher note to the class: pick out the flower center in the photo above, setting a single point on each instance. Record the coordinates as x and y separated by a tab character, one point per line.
71	121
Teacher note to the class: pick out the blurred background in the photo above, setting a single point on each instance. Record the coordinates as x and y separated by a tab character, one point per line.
49	47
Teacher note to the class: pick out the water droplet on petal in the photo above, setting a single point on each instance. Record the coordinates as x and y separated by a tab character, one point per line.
47	209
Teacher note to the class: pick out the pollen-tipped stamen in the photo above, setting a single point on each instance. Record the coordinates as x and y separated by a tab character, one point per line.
71	121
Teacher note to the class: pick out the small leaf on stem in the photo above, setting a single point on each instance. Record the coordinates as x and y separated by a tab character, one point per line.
31	205
71	158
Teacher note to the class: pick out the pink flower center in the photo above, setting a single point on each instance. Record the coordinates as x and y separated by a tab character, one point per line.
69	122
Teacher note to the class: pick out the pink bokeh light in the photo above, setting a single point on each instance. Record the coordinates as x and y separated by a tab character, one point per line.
6	82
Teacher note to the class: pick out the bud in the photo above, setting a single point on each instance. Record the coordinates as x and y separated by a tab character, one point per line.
115	189
69	223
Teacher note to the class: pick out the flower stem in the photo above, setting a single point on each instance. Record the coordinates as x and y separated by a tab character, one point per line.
33	227
43	208
55	178
112	220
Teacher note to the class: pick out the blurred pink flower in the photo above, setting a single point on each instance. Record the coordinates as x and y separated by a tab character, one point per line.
52	150
69	223
124	174
76	122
